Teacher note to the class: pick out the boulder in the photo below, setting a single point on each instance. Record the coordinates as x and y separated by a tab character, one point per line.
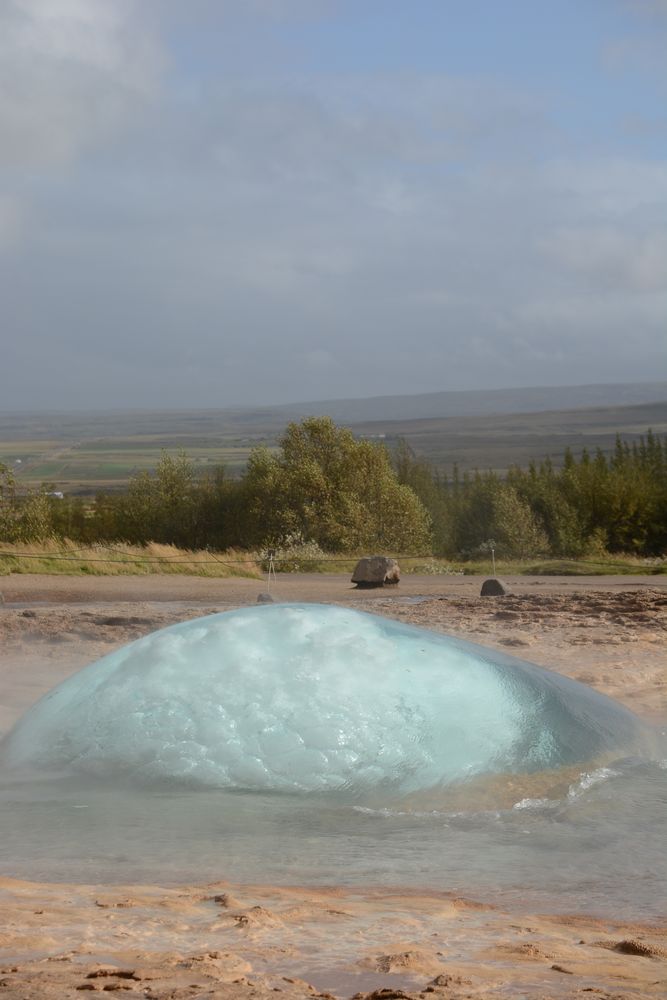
376	571
493	587
264	598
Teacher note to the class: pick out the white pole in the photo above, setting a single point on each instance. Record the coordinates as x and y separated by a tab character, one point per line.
271	573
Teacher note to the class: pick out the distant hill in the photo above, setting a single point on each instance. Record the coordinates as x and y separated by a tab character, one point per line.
260	422
470	403
83	452
499	441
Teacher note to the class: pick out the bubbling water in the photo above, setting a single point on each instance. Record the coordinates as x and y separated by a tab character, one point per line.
314	699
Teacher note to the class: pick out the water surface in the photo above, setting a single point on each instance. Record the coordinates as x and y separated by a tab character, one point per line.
599	848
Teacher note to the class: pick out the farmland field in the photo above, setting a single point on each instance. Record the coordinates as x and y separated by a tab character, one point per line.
109	464
86	452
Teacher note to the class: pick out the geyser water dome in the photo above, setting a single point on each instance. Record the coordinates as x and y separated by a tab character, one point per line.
312	698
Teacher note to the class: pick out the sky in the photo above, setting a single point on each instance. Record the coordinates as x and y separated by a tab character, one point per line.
211	203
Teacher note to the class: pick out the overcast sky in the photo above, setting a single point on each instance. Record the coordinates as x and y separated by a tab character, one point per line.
222	202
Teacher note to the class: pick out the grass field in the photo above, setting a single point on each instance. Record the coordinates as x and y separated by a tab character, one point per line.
72	559
69	558
109	464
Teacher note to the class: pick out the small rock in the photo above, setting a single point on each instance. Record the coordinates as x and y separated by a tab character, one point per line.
376	571
630	947
110	970
384	993
264	598
444	979
416	960
27	614
116	620
225	899
493	587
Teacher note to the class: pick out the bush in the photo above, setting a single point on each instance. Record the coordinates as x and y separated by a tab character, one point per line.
294	554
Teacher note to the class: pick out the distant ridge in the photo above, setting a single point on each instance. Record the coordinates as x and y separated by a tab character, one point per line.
505	439
89	450
266	419
479	402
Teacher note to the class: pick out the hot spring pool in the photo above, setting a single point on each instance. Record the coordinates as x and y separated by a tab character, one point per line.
306	744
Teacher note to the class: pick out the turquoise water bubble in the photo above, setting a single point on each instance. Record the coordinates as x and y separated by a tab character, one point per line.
305	698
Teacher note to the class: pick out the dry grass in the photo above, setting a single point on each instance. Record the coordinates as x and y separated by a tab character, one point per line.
71	558
119	559
605	565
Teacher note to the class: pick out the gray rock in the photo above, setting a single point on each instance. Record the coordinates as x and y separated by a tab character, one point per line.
376	571
264	598
493	587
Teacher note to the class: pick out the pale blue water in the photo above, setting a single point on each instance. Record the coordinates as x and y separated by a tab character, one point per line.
313	698
363	752
600	849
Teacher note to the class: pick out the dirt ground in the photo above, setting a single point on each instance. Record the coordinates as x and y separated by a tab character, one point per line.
231	941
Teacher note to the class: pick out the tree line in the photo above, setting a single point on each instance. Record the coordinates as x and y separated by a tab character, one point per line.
342	495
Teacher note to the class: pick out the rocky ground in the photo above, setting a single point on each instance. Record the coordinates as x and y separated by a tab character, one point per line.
234	942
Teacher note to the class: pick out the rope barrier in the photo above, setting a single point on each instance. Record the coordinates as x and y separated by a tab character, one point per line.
259	560
127	560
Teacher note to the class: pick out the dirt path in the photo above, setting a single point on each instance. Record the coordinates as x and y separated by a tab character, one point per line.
326	587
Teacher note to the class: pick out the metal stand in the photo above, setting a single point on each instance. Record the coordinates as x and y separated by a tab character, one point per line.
272	570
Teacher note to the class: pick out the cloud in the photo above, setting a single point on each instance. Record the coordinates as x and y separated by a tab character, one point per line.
613	185
11	222
73	73
319	359
213	237
612	257
651	7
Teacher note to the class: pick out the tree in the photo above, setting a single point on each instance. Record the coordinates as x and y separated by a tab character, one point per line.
541	488
331	489
8	512
432	490
516	527
24	518
163	507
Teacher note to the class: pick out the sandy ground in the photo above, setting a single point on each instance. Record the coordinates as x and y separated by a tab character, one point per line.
225	940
